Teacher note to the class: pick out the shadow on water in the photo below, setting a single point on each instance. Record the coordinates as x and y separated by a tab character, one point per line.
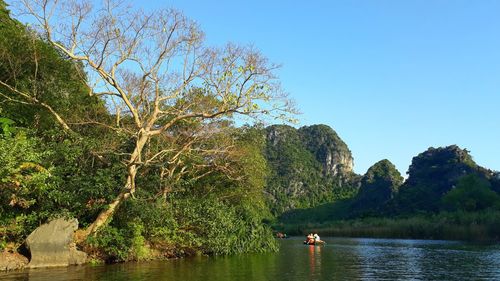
339	259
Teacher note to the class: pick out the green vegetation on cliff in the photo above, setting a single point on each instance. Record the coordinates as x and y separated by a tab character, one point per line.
308	167
446	196
379	185
432	175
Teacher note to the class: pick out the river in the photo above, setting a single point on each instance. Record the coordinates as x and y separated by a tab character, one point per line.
339	259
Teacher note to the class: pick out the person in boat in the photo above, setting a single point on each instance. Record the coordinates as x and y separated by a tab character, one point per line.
309	239
281	235
317	239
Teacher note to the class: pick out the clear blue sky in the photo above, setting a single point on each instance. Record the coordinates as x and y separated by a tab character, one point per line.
391	77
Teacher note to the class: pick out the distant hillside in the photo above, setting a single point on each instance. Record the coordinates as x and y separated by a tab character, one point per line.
439	179
308	167
433	174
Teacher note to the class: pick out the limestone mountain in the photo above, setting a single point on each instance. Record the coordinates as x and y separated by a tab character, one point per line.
440	179
308	166
327	147
379	185
433	173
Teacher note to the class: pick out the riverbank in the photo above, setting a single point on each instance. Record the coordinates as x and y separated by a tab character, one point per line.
479	226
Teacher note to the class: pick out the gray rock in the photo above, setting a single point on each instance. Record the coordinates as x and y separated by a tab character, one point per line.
52	244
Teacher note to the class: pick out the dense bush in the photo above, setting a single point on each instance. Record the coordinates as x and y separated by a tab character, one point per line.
472	193
26	185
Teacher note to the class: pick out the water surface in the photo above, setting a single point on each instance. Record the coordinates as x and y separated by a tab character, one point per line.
339	259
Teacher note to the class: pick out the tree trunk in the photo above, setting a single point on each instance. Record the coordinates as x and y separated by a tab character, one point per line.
165	192
105	215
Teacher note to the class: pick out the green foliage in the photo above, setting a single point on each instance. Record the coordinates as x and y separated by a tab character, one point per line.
6	126
138	250
229	220
86	182
472	193
34	67
254	168
340	209
113	242
122	244
217	228
41	180
47	173
436	174
25	185
205	225
214	215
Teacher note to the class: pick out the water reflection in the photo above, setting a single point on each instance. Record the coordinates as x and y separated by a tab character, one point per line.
339	259
314	261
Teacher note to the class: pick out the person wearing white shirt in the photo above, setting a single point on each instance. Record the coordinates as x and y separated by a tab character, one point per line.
316	237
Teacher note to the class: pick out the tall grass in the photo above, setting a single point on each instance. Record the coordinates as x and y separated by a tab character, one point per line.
477	226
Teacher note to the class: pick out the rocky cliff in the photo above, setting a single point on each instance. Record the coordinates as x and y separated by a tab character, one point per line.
328	149
309	166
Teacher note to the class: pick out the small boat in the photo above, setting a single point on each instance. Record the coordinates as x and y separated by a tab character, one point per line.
320	242
281	235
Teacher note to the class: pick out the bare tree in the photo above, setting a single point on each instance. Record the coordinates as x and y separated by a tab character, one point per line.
155	74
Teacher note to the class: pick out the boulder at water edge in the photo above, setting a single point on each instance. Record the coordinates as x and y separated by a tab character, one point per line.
52	244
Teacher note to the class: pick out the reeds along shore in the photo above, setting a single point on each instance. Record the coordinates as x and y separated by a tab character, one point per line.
478	226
